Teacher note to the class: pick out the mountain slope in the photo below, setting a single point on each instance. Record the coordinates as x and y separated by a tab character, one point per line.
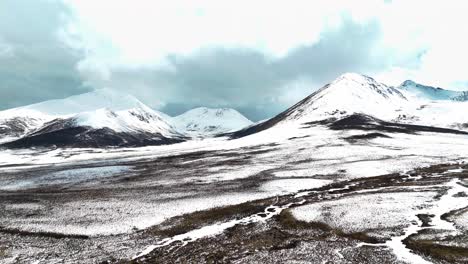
353	94
432	93
97	99
16	123
461	97
205	121
20	121
110	119
349	93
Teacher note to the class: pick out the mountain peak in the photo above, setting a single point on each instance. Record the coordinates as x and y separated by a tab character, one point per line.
356	77
411	83
359	85
429	92
97	99
408	83
212	111
204	120
349	93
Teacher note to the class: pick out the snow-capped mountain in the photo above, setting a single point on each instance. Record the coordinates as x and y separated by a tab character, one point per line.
15	123
205	121
107	118
432	93
352	94
20	121
97	99
121	119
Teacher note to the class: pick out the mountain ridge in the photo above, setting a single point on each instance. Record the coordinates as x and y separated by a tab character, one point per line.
204	121
353	93
431	92
110	118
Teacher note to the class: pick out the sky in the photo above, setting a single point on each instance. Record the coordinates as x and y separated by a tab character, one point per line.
259	57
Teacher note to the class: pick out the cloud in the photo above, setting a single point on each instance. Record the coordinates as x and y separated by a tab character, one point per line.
93	71
146	31
257	57
34	63
6	50
257	83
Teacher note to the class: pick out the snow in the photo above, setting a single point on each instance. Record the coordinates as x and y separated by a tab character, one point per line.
289	165
136	119
216	229
354	93
395	208
447	203
226	173
97	99
65	177
99	217
323	153
349	93
101	108
26	119
205	121
23	112
286	186
400	249
428	92
319	170
461	219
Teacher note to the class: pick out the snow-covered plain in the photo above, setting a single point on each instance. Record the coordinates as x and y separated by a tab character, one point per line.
63	178
380	211
289	165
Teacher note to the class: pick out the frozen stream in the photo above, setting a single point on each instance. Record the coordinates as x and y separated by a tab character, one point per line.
446	204
217	229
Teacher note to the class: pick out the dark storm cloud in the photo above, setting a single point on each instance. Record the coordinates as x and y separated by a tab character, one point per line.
37	66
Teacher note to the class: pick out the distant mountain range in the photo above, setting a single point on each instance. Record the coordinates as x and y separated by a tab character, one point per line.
433	93
106	118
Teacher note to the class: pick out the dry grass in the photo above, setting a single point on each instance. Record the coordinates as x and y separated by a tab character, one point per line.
449	253
287	220
3	252
19	232
185	223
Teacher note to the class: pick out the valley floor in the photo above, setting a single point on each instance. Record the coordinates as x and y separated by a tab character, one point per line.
320	197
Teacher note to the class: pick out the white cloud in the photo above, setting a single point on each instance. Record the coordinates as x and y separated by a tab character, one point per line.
93	71
134	33
6	50
144	32
230	52
436	30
